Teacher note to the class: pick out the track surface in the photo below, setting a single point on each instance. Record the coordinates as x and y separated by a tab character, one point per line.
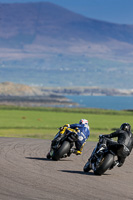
26	174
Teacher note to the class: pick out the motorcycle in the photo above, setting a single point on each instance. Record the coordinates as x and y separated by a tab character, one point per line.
101	159
64	147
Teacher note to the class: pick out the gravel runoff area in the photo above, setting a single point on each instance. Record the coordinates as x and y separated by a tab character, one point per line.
26	174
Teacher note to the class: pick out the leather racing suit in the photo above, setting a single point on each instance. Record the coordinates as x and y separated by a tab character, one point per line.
83	134
123	146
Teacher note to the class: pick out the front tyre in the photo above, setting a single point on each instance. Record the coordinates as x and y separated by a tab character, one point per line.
64	149
105	164
87	167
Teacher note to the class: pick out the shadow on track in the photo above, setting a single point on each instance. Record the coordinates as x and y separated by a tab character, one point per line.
36	158
81	172
77	172
45	159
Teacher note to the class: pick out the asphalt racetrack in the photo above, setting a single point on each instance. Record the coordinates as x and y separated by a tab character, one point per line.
26	174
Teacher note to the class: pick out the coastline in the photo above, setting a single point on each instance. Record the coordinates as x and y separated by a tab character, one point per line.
24	95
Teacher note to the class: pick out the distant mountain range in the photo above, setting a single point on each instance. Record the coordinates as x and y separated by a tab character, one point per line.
45	44
8	89
24	95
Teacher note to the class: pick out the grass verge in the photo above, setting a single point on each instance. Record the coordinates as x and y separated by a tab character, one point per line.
44	122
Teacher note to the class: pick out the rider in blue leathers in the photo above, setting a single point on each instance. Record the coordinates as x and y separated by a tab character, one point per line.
83	132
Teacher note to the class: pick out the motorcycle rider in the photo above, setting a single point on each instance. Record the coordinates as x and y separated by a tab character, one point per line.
124	144
81	129
122	148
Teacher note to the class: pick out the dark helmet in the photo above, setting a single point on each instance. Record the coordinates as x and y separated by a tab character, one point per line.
125	127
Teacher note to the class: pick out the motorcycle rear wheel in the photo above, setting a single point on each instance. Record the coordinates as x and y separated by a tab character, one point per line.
105	164
64	149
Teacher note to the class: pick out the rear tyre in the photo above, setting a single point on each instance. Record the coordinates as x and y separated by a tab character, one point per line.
104	165
64	149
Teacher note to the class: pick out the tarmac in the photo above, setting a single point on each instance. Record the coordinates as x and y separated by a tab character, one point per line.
26	174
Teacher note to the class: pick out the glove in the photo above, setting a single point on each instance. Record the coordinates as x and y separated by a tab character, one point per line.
63	128
66	125
101	136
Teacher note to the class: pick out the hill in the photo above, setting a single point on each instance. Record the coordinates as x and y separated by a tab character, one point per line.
9	89
45	44
24	95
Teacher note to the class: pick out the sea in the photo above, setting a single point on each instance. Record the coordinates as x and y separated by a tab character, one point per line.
103	102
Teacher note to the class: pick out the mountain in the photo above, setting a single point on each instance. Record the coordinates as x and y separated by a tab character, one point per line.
45	44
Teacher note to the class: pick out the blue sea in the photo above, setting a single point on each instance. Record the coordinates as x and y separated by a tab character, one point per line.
104	102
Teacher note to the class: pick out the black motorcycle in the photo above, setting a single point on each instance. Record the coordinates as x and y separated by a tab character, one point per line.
101	159
64	147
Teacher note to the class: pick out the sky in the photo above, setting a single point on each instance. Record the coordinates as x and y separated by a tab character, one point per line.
115	11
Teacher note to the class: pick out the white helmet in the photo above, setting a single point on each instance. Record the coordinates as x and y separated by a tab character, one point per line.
83	121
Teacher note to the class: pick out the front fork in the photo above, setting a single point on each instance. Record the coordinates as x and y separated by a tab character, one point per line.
98	158
94	150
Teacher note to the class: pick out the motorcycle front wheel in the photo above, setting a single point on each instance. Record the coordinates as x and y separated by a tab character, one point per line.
87	167
64	149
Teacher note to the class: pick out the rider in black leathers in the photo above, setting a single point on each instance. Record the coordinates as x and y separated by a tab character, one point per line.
124	144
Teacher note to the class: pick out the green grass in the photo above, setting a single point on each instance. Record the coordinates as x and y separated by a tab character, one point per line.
44	122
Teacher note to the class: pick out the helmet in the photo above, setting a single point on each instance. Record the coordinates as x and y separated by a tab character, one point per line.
125	127
83	121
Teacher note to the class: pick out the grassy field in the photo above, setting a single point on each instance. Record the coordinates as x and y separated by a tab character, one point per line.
44	122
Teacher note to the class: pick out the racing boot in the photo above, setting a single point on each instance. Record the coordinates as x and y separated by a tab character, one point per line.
115	163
